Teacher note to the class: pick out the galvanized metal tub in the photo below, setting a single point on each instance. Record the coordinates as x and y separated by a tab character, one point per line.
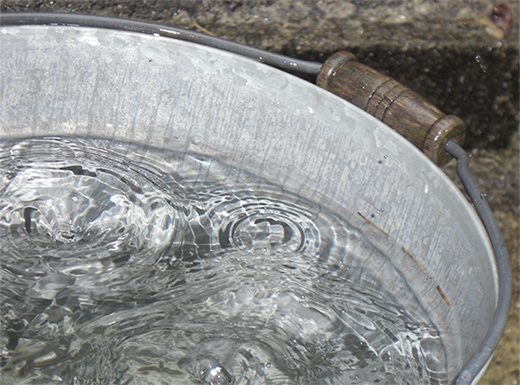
170	94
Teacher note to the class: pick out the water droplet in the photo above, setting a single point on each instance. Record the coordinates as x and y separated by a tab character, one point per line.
196	139
481	63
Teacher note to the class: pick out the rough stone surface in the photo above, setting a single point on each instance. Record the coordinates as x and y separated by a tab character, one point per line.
447	50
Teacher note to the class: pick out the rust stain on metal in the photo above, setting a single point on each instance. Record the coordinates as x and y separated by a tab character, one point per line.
371	224
443	296
416	262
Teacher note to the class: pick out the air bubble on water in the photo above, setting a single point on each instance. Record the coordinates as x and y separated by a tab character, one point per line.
216	375
65	236
411	326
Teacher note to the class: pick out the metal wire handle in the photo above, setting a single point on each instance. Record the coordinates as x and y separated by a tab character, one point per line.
273	59
505	279
474	367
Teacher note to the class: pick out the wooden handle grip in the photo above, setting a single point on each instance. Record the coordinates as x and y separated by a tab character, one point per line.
399	107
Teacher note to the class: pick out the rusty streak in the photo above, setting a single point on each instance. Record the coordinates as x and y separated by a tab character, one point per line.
371	224
443	296
416	262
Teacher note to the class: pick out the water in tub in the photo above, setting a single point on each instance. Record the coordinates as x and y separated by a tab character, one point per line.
124	265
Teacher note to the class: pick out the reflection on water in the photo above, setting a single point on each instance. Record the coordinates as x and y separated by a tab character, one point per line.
122	265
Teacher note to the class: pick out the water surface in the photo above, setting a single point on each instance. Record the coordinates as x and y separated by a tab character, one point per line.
125	265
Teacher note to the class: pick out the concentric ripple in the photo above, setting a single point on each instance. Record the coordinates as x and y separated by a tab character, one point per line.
246	222
127	265
82	205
